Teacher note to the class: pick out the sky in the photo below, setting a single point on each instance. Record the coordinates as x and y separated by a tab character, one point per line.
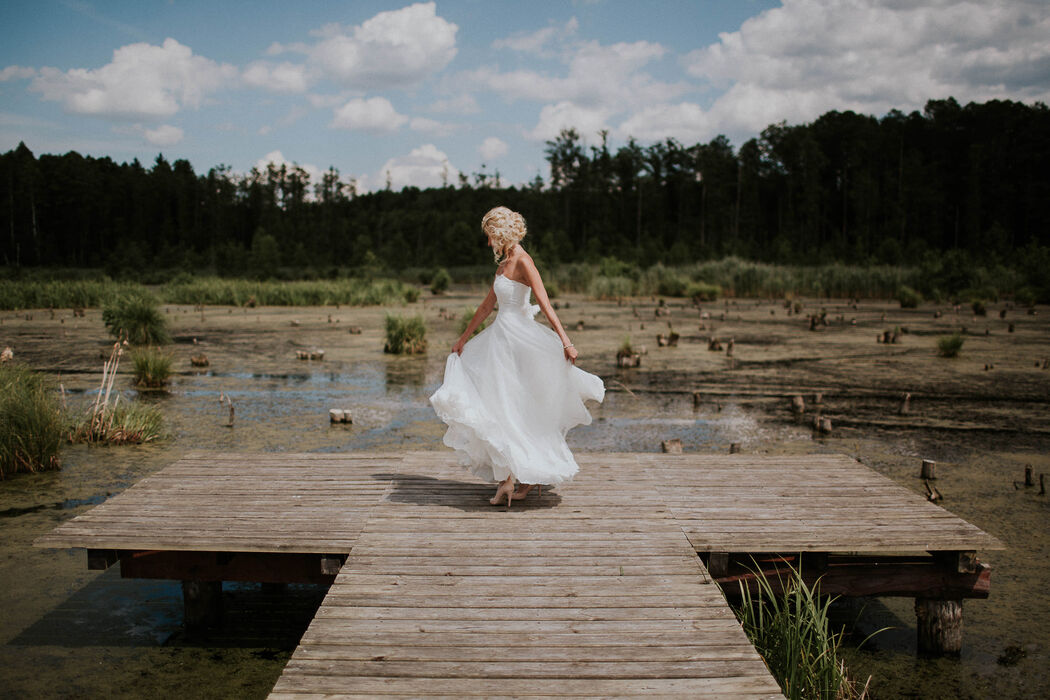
419	93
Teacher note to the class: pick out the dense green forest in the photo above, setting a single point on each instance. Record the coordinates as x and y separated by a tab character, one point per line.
969	180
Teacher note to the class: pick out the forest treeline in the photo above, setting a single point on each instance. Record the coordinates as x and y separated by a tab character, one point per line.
971	182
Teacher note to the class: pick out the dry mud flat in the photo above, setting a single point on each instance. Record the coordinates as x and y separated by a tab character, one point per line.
69	632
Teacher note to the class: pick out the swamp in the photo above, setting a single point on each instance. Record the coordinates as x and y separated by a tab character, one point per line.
982	416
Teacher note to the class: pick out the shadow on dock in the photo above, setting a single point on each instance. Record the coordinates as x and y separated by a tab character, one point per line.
467	496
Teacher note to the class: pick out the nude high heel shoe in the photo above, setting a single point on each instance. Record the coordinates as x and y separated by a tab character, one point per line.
505	487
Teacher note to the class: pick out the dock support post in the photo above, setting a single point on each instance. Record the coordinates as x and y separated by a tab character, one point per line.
939	626
202	604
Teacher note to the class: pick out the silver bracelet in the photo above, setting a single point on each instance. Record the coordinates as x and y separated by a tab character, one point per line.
566	347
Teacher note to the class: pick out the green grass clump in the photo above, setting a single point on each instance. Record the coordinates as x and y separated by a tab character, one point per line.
610	287
908	297
31	421
121	423
464	321
55	294
626	350
215	291
440	282
152	367
405	336
115	423
949	345
136	317
790	630
702	291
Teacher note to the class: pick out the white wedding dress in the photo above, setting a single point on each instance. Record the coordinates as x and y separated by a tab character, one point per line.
509	399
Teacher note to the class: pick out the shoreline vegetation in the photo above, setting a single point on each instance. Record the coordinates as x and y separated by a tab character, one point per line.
948	278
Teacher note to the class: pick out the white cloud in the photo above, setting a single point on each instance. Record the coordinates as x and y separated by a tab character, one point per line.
685	121
797	61
537	42
277	159
425	166
605	77
16	73
375	114
566	115
163	135
280	77
492	148
397	48
142	81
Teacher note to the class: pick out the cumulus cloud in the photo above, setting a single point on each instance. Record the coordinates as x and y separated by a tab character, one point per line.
398	48
797	61
597	76
541	41
567	115
277	159
163	135
142	81
374	114
423	167
280	77
492	148
16	73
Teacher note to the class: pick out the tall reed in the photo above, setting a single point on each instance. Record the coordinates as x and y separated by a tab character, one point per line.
116	423
791	631
237	292
31	421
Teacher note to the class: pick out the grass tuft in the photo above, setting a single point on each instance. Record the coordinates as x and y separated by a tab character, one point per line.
790	630
31	421
440	282
136	317
153	367
405	336
949	345
702	291
116	423
908	297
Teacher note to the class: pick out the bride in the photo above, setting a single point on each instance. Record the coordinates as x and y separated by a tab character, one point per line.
512	392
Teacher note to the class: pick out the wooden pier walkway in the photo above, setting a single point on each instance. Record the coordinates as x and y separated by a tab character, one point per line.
593	589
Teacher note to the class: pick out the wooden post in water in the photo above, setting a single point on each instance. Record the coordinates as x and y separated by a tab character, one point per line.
927	471
1028	480
734	448
202	604
939	626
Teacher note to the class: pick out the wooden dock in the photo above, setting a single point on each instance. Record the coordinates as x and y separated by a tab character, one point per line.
593	589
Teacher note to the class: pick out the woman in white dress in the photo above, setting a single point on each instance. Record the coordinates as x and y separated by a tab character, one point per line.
512	392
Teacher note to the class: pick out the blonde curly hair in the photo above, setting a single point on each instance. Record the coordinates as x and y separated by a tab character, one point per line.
504	228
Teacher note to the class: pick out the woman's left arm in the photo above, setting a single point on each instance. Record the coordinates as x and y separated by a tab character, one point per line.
533	275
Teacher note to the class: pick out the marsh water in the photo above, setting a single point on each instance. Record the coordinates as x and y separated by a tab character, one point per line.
68	632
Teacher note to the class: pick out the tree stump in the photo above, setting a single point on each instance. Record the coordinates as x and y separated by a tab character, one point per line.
798	404
825	426
714	345
734	448
905	408
672	446
1028	480
729	348
938	626
672	339
202	604
818	399
698	398
579	325
927	470
199	360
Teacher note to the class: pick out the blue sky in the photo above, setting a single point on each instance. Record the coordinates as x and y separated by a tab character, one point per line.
428	90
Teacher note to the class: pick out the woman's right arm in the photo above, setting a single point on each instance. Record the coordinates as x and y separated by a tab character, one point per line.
480	315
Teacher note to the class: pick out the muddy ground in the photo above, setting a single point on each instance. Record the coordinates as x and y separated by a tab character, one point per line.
69	632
